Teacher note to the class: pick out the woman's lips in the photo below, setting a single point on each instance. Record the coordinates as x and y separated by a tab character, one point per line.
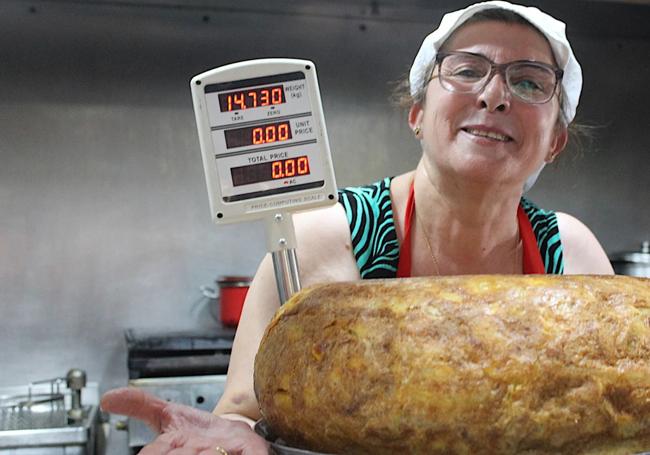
489	133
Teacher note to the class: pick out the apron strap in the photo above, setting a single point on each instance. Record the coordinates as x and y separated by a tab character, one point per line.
532	259
404	263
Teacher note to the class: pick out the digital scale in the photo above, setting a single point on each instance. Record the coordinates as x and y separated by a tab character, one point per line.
265	150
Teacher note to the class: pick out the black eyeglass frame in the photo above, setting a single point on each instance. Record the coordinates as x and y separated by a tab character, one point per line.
501	69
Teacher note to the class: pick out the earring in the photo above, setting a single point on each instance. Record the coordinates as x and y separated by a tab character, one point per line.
417	130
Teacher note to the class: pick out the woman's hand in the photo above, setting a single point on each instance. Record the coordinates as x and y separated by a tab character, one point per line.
182	429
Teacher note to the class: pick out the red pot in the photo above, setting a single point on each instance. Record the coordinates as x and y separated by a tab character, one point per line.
232	293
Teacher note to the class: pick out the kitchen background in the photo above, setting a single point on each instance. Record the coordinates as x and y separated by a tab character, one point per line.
104	220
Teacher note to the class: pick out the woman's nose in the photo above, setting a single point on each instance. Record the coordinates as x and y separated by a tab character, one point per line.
495	96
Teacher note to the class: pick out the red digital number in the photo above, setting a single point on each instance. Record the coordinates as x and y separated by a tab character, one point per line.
290	168
264	97
258	136
270	133
303	165
239	99
276	170
283	132
276	95
254	96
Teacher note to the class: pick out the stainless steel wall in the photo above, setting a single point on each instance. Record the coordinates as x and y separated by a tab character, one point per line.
104	220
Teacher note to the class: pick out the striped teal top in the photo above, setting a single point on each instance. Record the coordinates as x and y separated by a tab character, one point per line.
374	239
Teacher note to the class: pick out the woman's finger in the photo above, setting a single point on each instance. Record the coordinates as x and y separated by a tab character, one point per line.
136	403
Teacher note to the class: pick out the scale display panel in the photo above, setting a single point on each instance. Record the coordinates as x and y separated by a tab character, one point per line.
263	139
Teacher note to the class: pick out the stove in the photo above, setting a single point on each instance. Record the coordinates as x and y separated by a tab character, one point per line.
173	354
182	367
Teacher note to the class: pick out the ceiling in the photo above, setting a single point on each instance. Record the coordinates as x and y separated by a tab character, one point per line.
624	18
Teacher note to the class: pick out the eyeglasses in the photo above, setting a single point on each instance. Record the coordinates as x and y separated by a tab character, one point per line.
466	72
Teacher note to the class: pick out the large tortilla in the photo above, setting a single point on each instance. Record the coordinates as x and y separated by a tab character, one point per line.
461	365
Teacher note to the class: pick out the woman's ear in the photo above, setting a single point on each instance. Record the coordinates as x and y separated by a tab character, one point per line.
560	139
415	116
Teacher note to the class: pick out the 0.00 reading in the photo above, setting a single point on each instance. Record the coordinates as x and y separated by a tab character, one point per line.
271	133
255	135
271	170
290	167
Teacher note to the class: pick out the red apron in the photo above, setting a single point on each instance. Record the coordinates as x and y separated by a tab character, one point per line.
532	259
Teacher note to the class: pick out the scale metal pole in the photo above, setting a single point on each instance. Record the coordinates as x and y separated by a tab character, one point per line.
281	242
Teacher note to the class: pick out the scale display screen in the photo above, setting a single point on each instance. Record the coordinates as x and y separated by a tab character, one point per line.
263	138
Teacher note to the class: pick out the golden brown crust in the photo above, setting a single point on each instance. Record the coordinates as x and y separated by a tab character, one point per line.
474	364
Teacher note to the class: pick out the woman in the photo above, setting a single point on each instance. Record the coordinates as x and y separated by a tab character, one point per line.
494	90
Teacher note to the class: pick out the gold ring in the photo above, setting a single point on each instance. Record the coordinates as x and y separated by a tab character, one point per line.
220	450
